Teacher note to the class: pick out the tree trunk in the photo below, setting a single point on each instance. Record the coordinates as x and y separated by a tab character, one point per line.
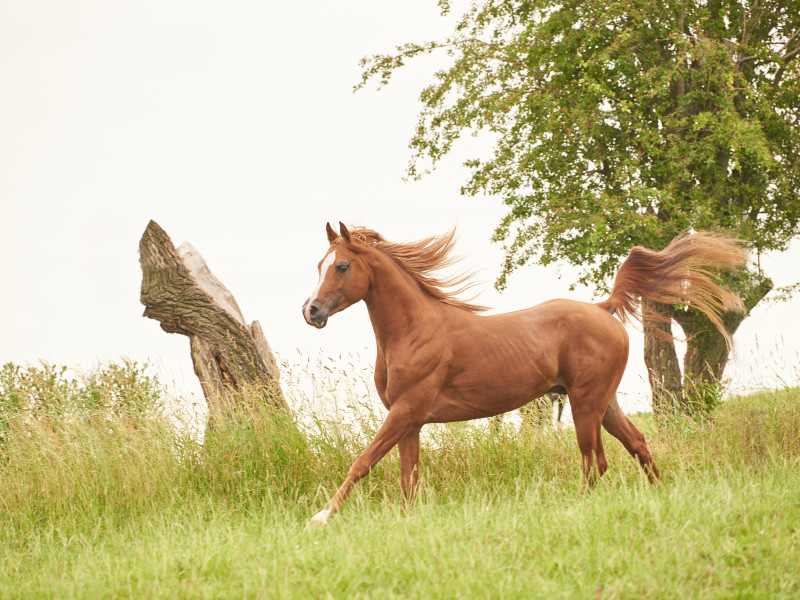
705	358
232	359
660	358
706	351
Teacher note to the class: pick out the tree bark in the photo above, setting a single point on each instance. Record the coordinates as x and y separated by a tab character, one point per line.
232	359
706	351
706	357
660	358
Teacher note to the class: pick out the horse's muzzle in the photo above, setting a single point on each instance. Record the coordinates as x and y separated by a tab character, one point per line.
314	315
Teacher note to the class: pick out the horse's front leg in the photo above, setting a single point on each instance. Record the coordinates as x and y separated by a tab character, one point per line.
409	465
398	424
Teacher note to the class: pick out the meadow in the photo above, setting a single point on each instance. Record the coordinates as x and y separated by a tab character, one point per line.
102	496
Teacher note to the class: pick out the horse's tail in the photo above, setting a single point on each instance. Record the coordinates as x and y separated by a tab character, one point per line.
679	274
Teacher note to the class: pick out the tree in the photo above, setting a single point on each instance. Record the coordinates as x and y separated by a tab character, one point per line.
232	359
624	123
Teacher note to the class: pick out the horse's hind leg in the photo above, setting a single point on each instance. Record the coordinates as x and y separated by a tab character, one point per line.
587	430
618	425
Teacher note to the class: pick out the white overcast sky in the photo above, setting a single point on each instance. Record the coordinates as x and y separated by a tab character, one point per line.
234	126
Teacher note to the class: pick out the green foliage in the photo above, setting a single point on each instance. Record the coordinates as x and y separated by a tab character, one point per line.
704	398
619	123
48	392
82	444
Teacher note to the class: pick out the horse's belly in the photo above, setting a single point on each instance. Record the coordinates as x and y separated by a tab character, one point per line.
475	402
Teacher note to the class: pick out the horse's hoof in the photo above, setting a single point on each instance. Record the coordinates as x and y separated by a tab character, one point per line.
320	519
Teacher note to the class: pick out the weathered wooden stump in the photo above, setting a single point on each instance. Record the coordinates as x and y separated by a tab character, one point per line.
231	358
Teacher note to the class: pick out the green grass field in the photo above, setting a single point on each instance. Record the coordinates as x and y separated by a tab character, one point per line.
99	498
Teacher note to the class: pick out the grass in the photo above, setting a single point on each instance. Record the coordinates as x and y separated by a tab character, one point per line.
101	499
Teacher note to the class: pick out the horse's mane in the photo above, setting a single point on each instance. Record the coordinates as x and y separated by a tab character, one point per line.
420	259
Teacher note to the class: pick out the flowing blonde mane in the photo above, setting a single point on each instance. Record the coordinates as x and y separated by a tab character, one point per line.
421	259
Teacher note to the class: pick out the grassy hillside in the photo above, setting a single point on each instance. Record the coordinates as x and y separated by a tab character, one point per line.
100	498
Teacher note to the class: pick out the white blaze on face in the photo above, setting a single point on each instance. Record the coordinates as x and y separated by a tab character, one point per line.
323	272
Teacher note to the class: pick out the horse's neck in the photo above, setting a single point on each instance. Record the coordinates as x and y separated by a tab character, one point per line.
395	302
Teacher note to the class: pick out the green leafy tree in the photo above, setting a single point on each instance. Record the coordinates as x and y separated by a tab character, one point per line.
622	123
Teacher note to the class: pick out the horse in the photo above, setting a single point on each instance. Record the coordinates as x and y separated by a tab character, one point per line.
439	360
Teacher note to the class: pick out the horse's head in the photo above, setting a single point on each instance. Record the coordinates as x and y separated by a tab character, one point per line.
343	279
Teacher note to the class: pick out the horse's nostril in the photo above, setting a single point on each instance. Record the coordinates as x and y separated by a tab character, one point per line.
312	311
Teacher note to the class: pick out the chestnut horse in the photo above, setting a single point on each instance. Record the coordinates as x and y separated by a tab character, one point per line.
439	361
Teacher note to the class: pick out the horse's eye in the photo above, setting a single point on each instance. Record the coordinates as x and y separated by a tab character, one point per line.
342	267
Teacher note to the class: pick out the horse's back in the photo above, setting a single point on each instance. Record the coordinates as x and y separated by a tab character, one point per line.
561	319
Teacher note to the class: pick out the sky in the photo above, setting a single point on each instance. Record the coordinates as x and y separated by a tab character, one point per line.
234	125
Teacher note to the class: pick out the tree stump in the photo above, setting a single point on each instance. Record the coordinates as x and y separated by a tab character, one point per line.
232	359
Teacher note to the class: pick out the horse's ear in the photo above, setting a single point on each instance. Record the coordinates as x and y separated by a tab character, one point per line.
331	233
344	232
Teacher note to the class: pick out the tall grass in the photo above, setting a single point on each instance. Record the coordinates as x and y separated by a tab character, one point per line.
102	496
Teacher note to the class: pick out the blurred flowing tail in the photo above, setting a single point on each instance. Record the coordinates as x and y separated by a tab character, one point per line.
679	274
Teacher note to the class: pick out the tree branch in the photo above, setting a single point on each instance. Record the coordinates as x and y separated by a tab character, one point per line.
785	59
789	55
790	40
514	61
